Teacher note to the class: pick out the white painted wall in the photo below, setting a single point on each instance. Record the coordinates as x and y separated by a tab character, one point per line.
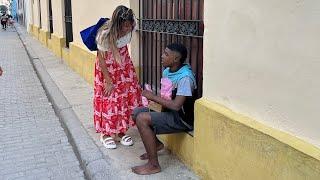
29	13
87	13
36	13
58	18
44	15
262	59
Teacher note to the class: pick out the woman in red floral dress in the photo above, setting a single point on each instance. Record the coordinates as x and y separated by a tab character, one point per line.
116	88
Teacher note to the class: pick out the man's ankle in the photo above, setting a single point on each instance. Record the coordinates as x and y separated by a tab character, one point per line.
154	162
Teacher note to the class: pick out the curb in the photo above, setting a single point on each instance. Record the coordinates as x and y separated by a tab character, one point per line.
91	159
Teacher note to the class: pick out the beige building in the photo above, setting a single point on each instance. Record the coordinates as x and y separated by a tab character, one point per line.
257	65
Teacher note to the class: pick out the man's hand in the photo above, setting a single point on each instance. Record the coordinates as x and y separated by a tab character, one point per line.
149	95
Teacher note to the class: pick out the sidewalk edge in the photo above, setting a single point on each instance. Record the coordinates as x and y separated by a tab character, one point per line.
91	159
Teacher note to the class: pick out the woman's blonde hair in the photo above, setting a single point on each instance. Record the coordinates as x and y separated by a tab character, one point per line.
120	15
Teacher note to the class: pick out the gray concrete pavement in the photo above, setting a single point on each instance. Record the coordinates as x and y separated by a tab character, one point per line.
33	144
78	94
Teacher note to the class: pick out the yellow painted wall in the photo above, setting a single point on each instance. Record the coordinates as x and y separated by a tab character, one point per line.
43	37
35	31
261	59
230	146
82	61
182	145
56	44
65	54
44	30
50	43
30	29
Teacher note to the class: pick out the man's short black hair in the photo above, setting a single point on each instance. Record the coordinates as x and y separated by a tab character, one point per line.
181	49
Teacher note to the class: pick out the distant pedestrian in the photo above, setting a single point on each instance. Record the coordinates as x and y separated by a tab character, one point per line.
4	19
116	88
1	71
10	20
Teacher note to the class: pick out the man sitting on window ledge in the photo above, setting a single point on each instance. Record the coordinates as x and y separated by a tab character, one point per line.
177	115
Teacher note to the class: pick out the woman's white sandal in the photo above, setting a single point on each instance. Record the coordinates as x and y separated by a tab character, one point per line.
108	142
126	140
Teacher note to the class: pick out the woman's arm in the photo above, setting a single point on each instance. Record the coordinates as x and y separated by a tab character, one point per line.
103	66
108	82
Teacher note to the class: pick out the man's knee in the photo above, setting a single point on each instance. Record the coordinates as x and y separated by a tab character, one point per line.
143	119
137	111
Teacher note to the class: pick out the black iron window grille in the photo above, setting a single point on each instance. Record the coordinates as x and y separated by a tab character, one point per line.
50	19
162	22
174	27
68	22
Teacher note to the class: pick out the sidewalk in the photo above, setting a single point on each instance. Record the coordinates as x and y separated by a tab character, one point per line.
78	94
33	145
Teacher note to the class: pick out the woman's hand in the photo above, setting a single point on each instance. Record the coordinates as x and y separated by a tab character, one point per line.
108	86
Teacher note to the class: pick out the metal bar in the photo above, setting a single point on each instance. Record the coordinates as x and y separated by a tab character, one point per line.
152	48
140	49
40	23
177	2
191	8
156	49
171	33
161	38
147	47
200	57
144	35
171	20
188	17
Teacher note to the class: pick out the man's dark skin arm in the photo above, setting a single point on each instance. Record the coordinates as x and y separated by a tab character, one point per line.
175	104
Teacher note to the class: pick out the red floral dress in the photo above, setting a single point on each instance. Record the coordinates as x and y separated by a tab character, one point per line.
112	114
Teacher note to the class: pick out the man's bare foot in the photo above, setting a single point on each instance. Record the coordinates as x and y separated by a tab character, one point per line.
144	156
146	169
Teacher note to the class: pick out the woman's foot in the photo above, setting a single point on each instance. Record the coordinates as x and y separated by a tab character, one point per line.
108	142
126	140
144	156
147	169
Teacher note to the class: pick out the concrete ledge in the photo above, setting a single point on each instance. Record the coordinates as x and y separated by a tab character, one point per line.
50	44
82	61
182	145
91	158
66	55
232	146
57	43
43	37
35	31
30	29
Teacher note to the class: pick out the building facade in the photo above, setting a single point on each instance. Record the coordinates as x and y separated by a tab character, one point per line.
257	67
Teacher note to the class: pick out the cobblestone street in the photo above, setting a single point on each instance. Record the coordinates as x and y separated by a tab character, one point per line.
33	144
